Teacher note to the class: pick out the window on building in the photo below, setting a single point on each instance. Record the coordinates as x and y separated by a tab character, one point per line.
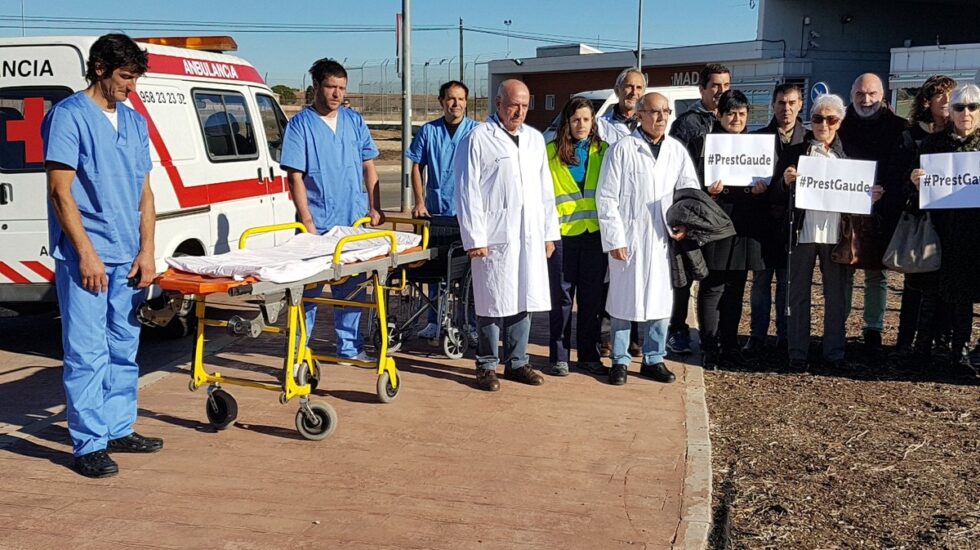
530	104
549	102
227	125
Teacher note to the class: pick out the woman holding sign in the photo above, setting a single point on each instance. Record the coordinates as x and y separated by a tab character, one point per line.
721	293
958	286
813	235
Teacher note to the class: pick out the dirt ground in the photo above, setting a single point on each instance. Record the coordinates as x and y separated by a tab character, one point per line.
881	454
389	143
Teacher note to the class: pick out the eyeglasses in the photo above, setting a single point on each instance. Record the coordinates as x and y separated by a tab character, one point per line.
662	112
960	107
820	119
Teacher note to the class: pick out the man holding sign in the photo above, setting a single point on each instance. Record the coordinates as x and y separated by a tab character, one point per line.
816	229
734	168
948	180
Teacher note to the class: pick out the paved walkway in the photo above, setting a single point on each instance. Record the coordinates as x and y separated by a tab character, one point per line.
575	463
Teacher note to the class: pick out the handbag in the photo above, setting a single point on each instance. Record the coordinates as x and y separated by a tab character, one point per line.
914	247
859	245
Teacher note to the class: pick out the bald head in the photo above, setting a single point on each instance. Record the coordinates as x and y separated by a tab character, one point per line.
867	94
513	98
653	110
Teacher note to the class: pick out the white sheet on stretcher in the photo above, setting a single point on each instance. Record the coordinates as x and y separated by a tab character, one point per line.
300	257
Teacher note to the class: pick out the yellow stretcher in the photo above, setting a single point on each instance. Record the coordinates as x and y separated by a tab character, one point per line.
301	367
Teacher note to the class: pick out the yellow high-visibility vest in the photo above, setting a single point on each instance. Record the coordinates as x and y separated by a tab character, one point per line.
576	208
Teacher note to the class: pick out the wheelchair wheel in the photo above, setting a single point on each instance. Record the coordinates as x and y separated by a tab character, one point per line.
394	336
454	342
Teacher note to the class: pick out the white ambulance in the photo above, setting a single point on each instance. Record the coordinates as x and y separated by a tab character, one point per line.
215	133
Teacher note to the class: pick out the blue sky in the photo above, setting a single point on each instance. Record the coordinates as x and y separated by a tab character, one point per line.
283	55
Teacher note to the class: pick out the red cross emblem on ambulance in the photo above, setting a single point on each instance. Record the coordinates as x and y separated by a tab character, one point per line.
28	130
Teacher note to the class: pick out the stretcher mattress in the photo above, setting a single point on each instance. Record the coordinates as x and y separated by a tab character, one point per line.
300	257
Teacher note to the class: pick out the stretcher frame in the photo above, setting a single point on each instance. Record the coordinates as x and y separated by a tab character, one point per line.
301	367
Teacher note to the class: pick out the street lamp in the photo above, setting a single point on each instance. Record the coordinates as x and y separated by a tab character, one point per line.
507	23
425	87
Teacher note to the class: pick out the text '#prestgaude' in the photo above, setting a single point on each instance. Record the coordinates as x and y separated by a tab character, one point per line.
718	159
810	182
937	180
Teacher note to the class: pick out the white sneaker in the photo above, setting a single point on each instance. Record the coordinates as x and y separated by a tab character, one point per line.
429	332
363	356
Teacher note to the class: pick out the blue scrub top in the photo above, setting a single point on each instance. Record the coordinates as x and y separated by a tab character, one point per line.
110	167
332	164
434	149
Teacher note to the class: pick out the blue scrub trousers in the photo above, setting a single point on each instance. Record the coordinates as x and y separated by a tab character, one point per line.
346	319
100	337
654	334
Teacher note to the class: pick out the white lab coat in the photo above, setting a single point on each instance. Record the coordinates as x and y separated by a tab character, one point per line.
611	130
505	201
633	195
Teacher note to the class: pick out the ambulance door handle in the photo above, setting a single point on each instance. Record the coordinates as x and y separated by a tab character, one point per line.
6	193
261	180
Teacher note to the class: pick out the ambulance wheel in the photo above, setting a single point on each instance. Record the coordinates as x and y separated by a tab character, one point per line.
386	392
318	422
222	409
453	343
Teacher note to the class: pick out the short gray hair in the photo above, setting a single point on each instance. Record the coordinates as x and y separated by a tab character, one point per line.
829	101
621	79
965	93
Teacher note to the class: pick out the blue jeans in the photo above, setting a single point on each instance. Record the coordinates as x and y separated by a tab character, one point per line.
875	299
761	301
516	330
346	319
654	340
100	337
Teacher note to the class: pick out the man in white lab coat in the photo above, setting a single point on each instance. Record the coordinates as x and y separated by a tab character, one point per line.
508	221
636	187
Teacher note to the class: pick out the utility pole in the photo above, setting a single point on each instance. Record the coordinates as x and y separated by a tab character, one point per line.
639	39
461	67
406	104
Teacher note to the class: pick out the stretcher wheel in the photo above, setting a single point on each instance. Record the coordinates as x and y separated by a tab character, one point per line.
453	343
222	409
303	375
320	426
386	392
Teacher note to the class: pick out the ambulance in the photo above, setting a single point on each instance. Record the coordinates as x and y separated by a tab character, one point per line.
215	132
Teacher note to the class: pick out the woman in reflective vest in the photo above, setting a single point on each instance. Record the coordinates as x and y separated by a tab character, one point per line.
578	265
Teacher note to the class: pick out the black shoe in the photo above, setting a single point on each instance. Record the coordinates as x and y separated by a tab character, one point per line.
835	364
617	375
872	341
709	359
96	464
753	347
782	346
960	362
658	372
486	380
592	367
901	351
798	365
734	358
525	375
135	443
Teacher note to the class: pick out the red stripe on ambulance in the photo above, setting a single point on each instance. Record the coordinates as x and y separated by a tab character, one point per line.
40	269
183	66
13	275
198	195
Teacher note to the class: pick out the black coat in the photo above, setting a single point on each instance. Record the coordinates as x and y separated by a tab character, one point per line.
706	222
779	193
749	214
875	139
691	124
775	239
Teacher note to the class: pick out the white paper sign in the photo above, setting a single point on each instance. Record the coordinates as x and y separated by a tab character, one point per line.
952	180
835	185
739	160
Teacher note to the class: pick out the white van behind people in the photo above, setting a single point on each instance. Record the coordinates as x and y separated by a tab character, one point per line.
215	132
680	99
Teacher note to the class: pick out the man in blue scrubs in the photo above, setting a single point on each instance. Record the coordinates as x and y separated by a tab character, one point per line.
433	149
101	223
328	156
